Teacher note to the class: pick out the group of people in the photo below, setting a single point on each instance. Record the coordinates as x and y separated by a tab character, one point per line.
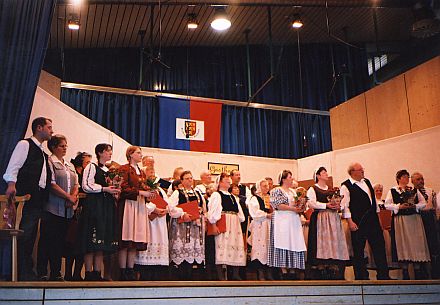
102	215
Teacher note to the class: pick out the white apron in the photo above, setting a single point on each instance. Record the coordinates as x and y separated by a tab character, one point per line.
288	233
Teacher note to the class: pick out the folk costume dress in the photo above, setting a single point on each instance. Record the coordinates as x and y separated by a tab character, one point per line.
287	247
157	253
187	240
133	210
408	236
229	246
326	239
98	223
259	229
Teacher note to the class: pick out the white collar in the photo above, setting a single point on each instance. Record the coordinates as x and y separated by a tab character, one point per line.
355	181
37	142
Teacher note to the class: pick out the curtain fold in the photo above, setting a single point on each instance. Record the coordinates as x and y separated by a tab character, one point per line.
24	34
276	134
134	118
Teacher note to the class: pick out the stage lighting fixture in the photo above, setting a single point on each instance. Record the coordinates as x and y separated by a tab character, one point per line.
73	23
221	20
192	21
296	22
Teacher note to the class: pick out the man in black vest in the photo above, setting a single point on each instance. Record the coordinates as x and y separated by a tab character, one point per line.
28	173
360	210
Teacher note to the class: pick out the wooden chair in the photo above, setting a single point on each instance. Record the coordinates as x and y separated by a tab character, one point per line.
12	233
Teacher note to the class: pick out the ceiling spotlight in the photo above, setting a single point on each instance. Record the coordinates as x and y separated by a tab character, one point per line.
221	20
297	23
192	21
73	23
76	2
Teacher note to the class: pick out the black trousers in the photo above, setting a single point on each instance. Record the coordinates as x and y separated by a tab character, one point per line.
29	224
369	230
52	244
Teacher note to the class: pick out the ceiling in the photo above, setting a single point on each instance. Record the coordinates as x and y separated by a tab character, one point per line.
115	24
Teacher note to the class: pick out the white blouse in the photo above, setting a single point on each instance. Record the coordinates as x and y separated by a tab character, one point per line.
88	182
254	208
215	208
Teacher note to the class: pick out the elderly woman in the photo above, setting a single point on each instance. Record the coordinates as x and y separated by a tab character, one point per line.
409	244
63	198
154	261
259	209
133	210
287	247
187	237
229	245
327	246
98	220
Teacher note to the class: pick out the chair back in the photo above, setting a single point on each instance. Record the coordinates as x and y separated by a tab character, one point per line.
15	212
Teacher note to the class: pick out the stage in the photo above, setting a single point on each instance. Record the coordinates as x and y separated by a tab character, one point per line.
221	293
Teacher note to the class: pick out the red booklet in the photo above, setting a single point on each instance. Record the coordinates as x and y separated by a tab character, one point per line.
221	225
191	208
159	202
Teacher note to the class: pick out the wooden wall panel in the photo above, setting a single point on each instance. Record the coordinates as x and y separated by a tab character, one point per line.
387	110
423	90
50	84
349	124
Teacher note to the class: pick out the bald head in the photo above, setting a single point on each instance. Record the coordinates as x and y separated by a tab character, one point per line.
417	180
356	171
205	176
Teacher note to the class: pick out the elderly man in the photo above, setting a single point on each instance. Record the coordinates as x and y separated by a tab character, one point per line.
429	222
205	177
360	210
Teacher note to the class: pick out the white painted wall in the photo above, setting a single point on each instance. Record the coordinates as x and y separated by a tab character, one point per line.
83	134
416	151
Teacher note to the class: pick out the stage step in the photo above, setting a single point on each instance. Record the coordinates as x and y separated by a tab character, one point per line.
221	293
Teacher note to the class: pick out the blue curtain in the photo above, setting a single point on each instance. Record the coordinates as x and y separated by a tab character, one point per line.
276	134
132	117
221	72
24	34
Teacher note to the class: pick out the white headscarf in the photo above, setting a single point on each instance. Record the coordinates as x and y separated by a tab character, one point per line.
258	185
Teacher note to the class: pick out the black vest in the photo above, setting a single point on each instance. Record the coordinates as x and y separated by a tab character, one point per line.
261	204
322	195
191	197
228	203
403	198
360	205
29	174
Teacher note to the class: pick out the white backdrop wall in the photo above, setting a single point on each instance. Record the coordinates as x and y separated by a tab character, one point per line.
83	134
418	151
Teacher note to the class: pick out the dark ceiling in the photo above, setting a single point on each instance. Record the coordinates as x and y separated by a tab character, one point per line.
115	24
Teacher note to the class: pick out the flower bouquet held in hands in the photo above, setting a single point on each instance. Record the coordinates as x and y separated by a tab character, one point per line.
300	199
409	196
335	199
114	178
150	189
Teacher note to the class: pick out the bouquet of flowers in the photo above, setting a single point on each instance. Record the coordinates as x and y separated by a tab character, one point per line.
336	197
409	196
114	177
300	198
148	184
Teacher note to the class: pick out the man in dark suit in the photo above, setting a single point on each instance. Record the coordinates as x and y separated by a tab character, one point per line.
360	210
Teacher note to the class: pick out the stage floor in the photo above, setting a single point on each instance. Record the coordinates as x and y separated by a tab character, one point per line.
221	293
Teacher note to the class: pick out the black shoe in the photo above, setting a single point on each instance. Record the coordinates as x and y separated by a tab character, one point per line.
130	275
43	278
405	274
57	279
89	276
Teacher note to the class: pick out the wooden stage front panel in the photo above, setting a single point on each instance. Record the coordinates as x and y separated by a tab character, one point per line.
222	293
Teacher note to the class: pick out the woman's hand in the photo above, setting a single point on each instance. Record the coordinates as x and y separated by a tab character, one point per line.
160	212
111	190
186	217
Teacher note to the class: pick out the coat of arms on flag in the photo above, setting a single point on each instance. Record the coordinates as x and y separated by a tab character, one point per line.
190	129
